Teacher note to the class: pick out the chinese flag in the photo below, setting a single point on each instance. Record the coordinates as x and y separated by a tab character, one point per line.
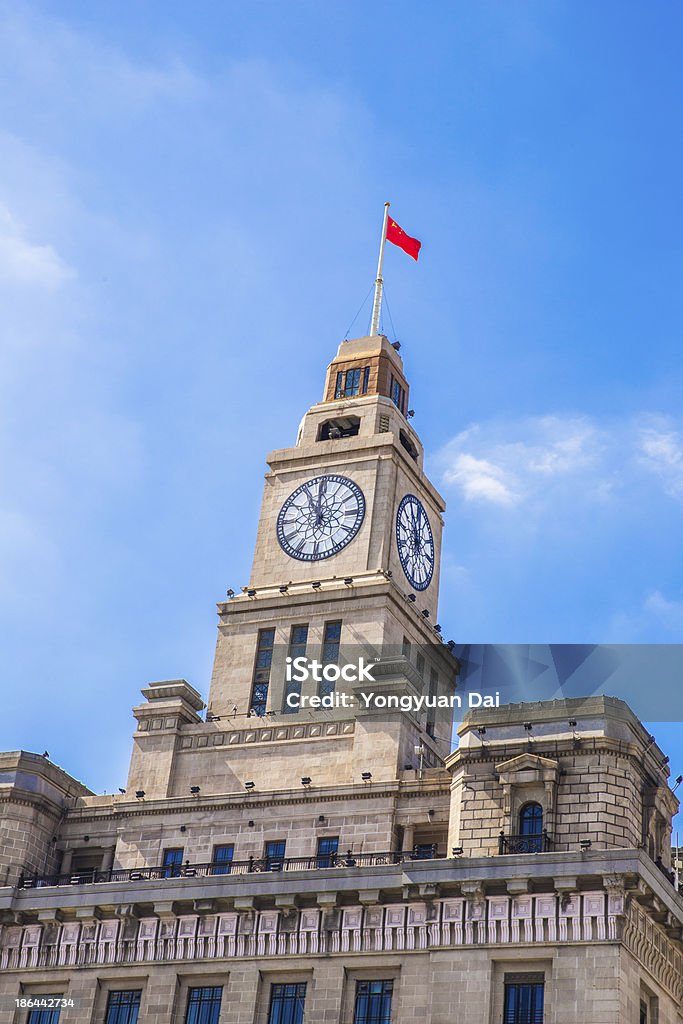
398	236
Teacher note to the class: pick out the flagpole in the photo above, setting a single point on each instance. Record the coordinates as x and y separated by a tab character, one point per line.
377	304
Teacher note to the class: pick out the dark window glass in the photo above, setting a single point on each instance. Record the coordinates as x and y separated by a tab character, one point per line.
366	379
327	851
420	665
339	386
264	660
405	650
523	1003
122	1007
331	642
222	859
204	1005
274	855
298	638
173	862
643	1013
352	383
44	1016
287	1004
397	394
424	851
531	827
373	1002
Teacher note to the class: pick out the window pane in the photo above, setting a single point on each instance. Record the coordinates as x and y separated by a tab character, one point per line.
122	1007
287	1004
352	383
373	1002
366	379
339	386
523	1004
262	666
222	859
298	640
173	861
331	641
274	854
44	1016
327	851
203	1005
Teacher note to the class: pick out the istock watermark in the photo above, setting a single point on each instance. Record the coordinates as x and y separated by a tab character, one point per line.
302	670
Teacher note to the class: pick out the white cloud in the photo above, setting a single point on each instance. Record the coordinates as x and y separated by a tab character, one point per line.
563	464
26	262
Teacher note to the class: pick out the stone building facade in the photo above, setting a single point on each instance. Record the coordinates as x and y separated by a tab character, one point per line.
290	852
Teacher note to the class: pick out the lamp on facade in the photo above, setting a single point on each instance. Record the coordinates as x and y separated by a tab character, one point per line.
366	776
140	794
585	845
425	612
230	592
251	592
194	790
528	726
249	786
348	581
679	779
284	588
305	781
411	597
316	585
457	851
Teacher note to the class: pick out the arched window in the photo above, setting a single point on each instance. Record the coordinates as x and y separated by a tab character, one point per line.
531	828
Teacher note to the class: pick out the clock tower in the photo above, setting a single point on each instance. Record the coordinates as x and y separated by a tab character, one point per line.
345	568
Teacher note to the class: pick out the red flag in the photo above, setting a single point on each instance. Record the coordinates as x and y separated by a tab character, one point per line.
398	236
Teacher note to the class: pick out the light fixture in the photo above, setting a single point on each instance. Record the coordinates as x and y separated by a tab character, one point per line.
410	414
408	768
411	597
419	750
251	592
481	729
388	573
456	851
348	581
249	786
194	790
665	761
250	823
122	791
230	592
679	779
86	839
425	612
316	585
183	828
305	780
572	723
140	794
366	776
528	726
585	845
437	628
450	644
321	819
396	345
284	588
46	754
210	717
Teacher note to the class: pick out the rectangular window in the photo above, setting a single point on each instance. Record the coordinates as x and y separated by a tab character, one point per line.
261	681
405	649
420	665
331	643
327	851
274	855
122	1007
287	1004
424	851
298	638
46	1015
173	862
432	694
204	1005
398	395
222	859
373	1002
523	999
349	382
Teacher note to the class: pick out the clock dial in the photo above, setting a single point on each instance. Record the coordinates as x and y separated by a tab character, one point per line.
320	518
415	542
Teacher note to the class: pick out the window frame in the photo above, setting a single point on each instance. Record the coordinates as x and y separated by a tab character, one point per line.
214	1005
222	866
260	683
370	1016
295	649
172	866
329	857
288	1014
123	1018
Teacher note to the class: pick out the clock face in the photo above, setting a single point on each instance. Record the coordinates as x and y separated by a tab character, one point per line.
415	542
320	518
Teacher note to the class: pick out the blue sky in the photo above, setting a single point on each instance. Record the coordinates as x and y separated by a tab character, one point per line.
190	201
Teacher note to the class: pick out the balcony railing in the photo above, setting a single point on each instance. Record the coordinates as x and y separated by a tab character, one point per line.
538	843
243	867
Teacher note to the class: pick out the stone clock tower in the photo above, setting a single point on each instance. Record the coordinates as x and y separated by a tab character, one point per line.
346	565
